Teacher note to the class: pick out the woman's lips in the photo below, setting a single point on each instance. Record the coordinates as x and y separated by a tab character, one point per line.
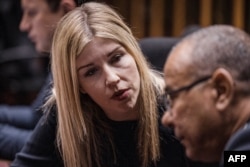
121	95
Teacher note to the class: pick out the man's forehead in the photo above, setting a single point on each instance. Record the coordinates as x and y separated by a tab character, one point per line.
174	80
179	58
178	66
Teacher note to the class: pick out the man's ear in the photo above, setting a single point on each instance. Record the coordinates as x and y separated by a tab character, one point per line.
68	5
224	88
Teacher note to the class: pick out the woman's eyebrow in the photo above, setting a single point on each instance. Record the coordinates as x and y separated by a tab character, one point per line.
91	64
85	66
114	50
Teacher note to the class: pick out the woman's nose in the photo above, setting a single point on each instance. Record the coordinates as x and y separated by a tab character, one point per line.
112	77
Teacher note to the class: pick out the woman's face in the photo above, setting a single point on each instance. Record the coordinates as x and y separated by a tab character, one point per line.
109	75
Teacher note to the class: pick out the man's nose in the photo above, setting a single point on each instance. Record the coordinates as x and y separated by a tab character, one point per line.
167	119
24	26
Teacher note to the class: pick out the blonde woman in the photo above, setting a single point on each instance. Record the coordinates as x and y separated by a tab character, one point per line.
105	107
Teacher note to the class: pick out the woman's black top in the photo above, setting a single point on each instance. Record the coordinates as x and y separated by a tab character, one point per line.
41	149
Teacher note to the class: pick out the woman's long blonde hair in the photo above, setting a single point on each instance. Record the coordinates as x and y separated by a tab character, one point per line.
79	118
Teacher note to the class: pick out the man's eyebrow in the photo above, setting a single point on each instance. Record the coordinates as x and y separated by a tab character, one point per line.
167	89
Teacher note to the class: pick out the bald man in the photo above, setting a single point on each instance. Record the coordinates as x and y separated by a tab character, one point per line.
207	80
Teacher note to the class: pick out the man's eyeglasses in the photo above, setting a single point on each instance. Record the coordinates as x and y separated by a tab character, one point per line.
170	94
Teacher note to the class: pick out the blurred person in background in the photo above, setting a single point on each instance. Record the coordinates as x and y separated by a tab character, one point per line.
19	61
39	20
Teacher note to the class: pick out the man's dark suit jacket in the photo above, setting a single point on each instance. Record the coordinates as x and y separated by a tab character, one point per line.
240	141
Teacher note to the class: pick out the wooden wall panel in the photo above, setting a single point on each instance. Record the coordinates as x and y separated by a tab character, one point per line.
157	17
137	17
179	14
238	13
205	12
123	7
151	18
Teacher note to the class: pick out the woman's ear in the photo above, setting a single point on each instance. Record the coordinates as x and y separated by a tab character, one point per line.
224	86
68	5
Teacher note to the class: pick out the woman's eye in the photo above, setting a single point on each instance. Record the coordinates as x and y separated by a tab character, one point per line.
116	58
90	72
